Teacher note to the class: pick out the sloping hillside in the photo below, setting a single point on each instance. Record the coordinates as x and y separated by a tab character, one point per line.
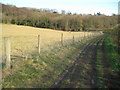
45	18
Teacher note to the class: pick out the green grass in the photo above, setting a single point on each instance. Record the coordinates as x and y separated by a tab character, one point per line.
42	70
107	63
112	58
99	69
112	54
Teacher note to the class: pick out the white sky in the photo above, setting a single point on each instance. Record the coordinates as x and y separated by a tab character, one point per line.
79	6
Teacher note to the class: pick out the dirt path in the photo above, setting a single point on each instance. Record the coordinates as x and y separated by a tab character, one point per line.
91	69
83	73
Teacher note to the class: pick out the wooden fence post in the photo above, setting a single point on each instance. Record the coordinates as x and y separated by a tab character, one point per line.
90	34
84	34
39	44
7	52
87	35
73	38
62	39
79	38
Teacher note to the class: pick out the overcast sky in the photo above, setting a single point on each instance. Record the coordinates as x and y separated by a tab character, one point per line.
79	6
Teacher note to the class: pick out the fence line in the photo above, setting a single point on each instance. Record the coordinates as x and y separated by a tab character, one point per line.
8	54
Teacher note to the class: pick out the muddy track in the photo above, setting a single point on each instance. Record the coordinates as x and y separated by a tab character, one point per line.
81	73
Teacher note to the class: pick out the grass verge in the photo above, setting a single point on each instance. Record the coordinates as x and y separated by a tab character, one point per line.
112	54
107	65
42	70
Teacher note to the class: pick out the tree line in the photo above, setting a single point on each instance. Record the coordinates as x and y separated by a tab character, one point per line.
45	18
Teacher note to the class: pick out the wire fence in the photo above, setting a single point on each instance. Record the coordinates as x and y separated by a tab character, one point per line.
25	46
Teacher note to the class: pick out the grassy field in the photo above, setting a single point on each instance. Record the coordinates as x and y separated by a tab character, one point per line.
24	38
42	70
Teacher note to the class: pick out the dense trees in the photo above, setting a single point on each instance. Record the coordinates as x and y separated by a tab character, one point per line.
45	18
